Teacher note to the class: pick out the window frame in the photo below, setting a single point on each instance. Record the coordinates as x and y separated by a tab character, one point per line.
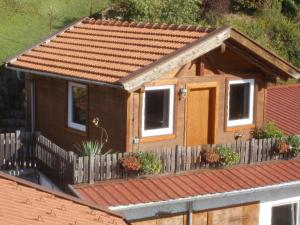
247	121
160	131
265	214
71	123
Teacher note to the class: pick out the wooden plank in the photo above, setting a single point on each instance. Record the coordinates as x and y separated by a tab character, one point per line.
108	166
114	166
91	169
86	169
13	147
188	158
259	153
97	167
7	147
102	167
178	159
2	140
247	153
80	170
269	141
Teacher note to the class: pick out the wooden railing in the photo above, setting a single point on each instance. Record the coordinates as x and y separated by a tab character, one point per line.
23	150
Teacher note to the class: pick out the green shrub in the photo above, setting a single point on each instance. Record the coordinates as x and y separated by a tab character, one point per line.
249	6
227	155
168	11
294	143
268	130
149	163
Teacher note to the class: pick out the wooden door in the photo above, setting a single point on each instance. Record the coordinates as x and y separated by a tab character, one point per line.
200	120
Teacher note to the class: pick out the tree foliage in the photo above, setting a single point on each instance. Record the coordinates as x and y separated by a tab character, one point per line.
169	11
273	23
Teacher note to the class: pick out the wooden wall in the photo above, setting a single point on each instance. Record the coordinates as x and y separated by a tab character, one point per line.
217	67
51	113
237	215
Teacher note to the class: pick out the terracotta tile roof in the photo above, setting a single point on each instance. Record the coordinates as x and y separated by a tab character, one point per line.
283	107
200	183
23	203
106	51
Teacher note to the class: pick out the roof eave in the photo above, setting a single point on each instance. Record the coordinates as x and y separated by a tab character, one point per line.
211	201
75	79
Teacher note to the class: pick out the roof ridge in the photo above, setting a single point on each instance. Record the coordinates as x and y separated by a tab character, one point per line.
164	26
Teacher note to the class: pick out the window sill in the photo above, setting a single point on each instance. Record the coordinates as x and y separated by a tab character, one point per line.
240	127
75	131
157	138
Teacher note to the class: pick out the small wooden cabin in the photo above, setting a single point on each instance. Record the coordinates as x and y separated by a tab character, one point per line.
152	85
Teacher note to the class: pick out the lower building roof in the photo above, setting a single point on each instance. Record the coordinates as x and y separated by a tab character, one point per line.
23	203
283	107
199	183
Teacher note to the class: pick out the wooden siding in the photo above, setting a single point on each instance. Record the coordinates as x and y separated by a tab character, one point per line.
231	215
219	68
51	114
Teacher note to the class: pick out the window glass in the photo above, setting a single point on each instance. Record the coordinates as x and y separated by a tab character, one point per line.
284	214
79	105
239	99
157	109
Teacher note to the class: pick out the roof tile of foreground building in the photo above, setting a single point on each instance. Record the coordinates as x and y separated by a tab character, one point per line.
23	203
283	108
199	183
106	50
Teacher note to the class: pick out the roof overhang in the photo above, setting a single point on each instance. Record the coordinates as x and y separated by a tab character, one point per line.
206	202
181	57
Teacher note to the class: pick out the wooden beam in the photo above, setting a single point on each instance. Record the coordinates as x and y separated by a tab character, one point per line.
200	67
255	60
265	54
176	59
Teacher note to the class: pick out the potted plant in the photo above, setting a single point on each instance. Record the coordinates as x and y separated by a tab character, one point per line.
282	147
211	157
131	164
228	156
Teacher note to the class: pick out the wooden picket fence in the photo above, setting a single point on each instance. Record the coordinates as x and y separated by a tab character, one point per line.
173	160
21	149
16	150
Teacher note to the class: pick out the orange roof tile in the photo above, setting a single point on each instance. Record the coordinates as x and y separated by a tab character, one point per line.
106	51
197	183
283	107
23	203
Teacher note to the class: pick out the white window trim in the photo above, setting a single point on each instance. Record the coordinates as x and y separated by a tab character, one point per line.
71	124
160	131
265	212
240	122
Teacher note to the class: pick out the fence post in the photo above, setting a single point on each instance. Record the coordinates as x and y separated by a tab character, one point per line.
91	169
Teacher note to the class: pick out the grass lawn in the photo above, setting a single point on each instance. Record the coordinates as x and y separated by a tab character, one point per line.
25	22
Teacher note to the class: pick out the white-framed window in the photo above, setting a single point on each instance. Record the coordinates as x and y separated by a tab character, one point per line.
77	106
158	111
240	101
281	212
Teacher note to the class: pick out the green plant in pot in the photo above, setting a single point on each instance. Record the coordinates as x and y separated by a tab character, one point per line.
228	156
149	163
268	130
294	144
94	147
